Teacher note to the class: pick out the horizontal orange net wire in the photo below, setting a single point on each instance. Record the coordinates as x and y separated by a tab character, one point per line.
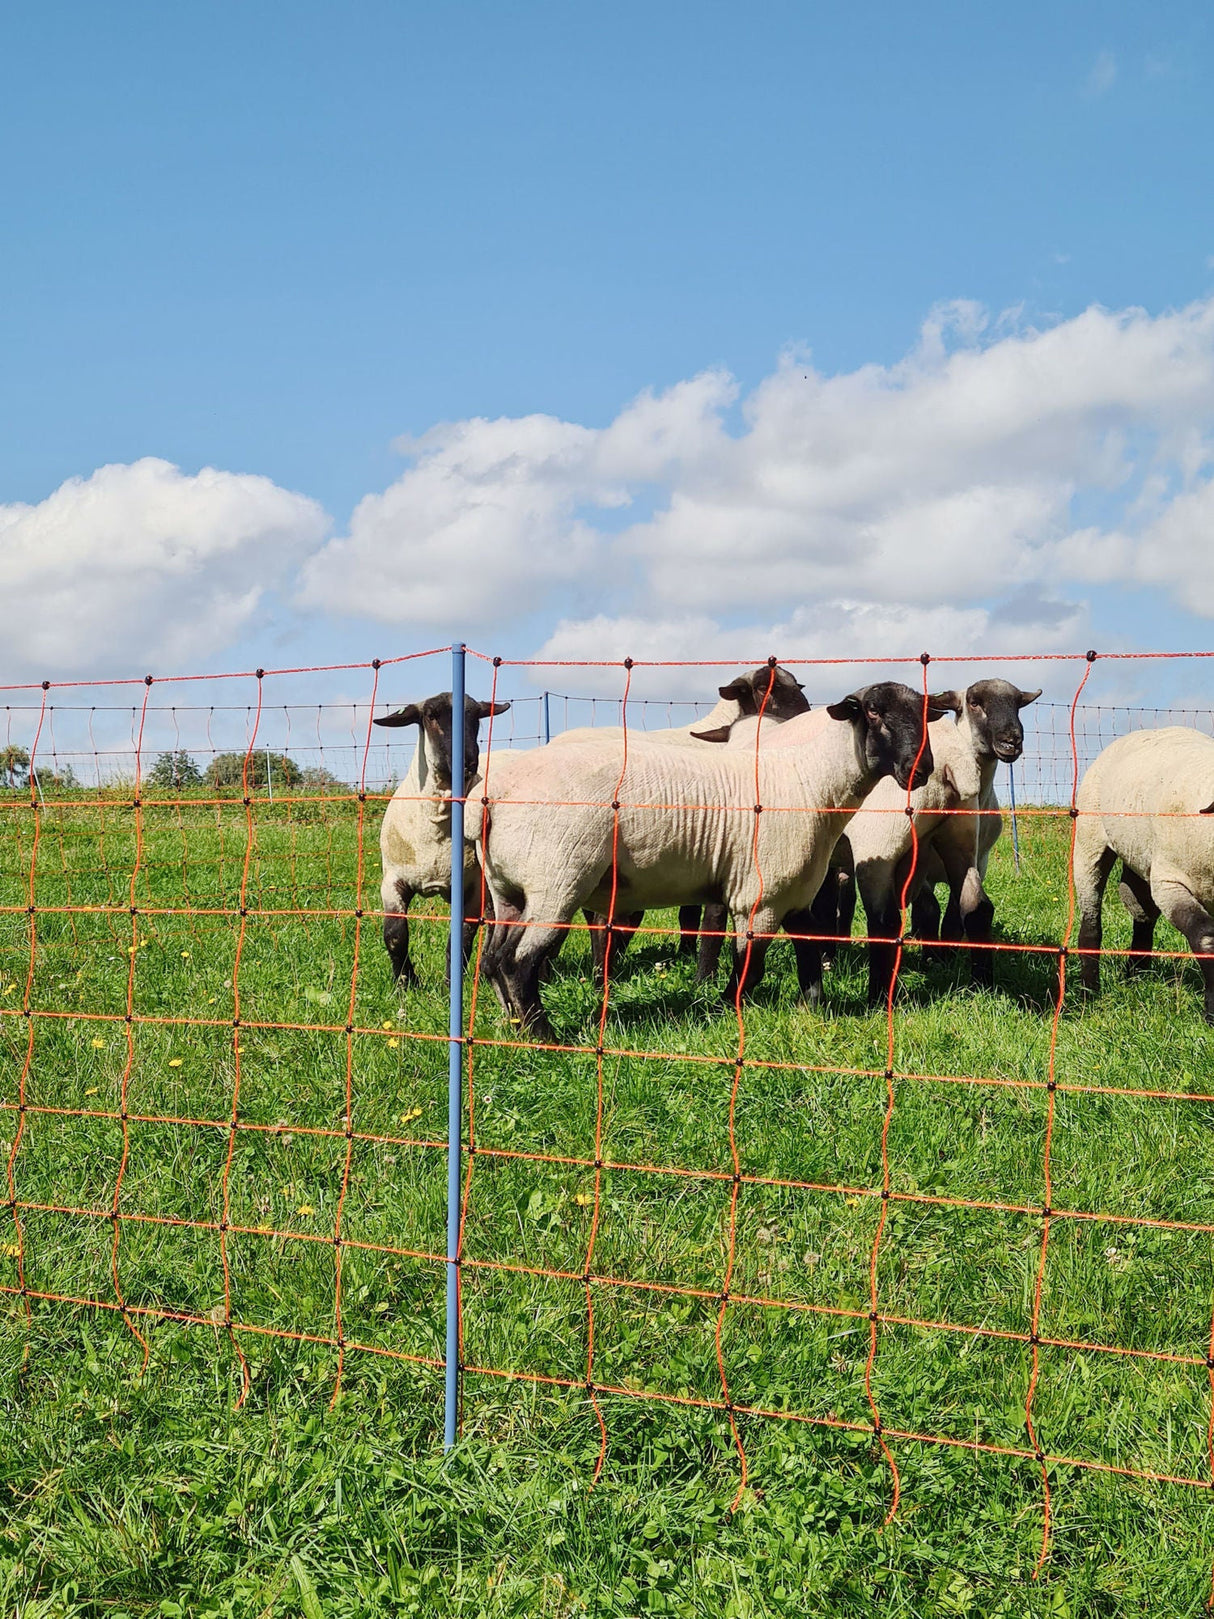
131	814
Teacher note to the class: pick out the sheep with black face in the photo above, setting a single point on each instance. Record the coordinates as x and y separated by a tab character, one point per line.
568	833
415	838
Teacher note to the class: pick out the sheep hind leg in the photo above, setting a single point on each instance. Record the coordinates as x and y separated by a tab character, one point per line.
620	932
1135	894
522	974
1188	916
714	922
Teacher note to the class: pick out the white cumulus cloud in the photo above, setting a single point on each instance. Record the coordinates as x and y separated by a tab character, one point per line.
145	563
968	494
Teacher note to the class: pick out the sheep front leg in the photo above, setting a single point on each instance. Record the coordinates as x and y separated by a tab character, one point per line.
875	879
689	929
925	916
396	896
810	952
750	954
1188	916
977	916
1093	863
1135	894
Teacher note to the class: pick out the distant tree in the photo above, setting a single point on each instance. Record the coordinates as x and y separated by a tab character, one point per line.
174	769
63	777
228	770
318	779
14	766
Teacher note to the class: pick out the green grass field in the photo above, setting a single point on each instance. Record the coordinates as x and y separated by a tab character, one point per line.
137	1494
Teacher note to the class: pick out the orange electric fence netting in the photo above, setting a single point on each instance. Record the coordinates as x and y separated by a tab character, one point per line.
258	877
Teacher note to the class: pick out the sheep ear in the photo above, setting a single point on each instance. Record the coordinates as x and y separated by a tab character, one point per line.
1024	698
721	734
409	715
737	689
1209	810
944	702
849	709
485	709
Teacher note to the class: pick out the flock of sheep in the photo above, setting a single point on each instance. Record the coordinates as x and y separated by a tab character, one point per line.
769	815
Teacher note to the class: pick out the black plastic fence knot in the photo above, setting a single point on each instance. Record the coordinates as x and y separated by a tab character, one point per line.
349	1028
376	663
246	801
128	1018
46	685
725	1295
908	811
615	803
628	663
244	910
260	673
358	912
1073	812
362	798
771	661
598	1163
925	658
877	1429
497	663
1034	1338
758	809
1091	656
1051	1084
1046	1212
886	1194
1040	1455
235	1022
889	1073
873	1317
147	679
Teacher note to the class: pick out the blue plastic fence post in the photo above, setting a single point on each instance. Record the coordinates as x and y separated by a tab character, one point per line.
547	720
455	1048
1011	783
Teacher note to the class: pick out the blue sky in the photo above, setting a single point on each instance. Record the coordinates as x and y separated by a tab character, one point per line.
272	241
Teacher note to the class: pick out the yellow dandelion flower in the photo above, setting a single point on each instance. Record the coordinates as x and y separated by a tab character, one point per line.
176	1062
97	1042
305	1209
92	1091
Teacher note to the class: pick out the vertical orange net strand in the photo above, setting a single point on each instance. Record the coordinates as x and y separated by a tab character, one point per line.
347	1118
1046	1165
874	1316
470	1020
27	1013
739	1061
596	1210
237	1050
129	1062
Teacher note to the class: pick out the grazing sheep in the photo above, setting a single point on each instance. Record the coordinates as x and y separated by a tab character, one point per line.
688	825
771	690
415	838
1145	802
951	847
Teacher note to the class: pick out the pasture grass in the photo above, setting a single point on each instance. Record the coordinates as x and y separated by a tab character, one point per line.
139	1493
